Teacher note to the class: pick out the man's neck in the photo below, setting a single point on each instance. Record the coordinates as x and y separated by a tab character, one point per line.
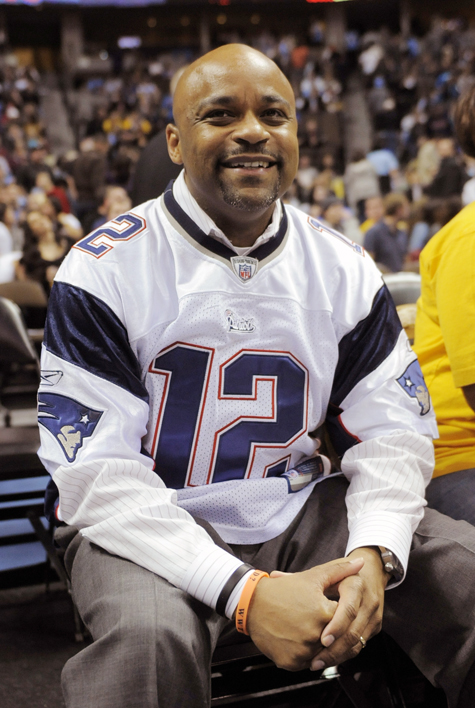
242	228
391	222
244	233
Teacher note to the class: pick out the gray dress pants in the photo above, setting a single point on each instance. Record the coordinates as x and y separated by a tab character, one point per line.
153	643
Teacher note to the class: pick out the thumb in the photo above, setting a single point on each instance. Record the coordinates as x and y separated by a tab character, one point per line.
336	572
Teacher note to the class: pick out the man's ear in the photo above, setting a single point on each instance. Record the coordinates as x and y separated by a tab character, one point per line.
174	145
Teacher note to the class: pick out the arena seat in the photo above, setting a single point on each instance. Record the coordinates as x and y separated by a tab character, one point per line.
404	287
19	364
31	299
241	675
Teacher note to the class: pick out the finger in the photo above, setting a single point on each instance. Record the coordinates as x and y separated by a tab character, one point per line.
278	574
336	572
342	649
349	605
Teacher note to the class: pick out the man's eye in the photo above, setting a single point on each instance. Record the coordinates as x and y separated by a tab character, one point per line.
218	113
274	113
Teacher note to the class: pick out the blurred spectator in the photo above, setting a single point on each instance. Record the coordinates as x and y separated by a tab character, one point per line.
43	252
334	215
428	160
374	211
468	192
306	174
414	191
154	169
65	224
7	218
45	182
35	163
451	175
116	202
385	242
329	176
385	164
89	173
436	213
361	183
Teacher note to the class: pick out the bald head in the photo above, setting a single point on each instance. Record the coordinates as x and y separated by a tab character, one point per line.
199	78
235	132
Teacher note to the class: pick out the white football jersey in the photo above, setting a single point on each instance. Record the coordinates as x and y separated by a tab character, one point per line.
170	358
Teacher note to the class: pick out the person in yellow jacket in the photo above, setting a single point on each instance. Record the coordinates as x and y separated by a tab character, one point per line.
445	344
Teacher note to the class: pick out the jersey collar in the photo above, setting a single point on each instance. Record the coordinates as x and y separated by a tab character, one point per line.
188	228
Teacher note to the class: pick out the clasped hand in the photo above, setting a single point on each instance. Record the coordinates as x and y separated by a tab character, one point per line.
315	618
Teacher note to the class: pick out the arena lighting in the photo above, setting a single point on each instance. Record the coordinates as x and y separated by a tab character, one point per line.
86	3
129	42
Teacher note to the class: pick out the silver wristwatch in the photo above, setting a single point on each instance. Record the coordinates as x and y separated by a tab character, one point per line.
391	564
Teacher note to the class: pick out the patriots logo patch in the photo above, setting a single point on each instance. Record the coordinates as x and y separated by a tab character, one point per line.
412	382
68	420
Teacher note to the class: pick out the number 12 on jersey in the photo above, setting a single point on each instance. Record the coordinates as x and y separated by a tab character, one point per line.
187	370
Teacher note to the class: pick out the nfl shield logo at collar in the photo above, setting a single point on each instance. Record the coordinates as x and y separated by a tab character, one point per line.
244	266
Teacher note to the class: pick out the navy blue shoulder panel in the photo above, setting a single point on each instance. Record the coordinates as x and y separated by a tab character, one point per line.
361	351
212	244
83	330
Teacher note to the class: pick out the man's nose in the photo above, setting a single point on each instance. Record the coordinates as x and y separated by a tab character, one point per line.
251	130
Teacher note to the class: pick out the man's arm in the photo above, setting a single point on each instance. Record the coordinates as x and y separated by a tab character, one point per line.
381	425
93	414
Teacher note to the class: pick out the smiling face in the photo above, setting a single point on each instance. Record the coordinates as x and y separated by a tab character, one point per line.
235	133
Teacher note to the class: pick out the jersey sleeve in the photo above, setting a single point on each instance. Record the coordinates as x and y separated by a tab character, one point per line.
381	424
93	413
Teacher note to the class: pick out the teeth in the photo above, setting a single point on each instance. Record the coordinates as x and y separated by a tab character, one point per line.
252	164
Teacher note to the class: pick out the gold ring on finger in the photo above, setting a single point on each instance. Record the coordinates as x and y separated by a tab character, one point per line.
363	642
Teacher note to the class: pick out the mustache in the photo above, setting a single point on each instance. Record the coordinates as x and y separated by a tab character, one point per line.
251	150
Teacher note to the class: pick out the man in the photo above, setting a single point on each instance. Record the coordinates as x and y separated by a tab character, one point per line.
335	216
89	174
374	211
444	342
385	164
386	242
154	169
193	348
451	175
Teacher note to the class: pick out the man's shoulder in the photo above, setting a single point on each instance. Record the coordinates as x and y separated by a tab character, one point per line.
320	232
120	249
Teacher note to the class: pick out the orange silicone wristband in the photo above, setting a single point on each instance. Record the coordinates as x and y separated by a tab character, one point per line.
245	599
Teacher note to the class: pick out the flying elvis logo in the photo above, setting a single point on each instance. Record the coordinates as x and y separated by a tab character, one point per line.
68	420
412	382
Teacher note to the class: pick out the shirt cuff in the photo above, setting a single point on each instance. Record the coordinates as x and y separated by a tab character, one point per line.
378	528
207	575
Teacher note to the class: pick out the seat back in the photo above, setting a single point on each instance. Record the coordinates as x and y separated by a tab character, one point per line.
23	480
15	345
30	297
404	287
26	293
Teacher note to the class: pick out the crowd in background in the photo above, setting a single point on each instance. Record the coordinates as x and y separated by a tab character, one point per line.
391	198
